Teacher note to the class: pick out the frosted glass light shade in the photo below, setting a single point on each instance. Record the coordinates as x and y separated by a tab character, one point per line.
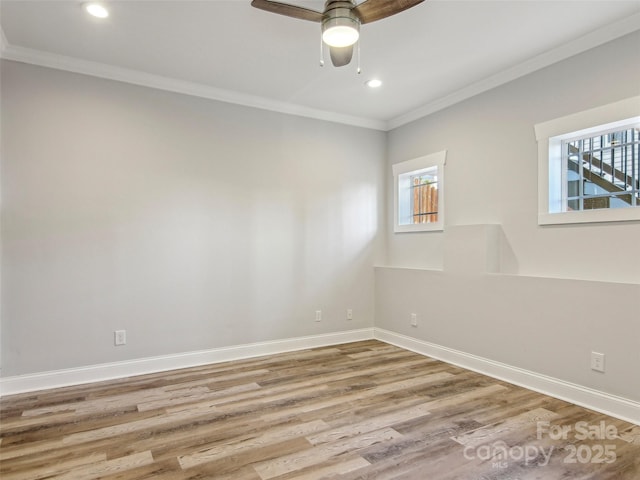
340	28
340	36
96	9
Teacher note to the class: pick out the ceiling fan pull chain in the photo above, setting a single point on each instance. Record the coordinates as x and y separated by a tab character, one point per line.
321	52
359	71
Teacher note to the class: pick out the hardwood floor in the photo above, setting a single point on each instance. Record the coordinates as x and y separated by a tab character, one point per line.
364	410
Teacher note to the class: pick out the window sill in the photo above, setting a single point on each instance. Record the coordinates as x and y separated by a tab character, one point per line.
630	214
419	227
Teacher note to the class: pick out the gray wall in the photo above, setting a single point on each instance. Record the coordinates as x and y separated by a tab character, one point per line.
533	320
196	224
192	224
524	322
491	168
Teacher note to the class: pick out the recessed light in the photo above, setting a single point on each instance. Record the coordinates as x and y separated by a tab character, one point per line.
373	83
96	9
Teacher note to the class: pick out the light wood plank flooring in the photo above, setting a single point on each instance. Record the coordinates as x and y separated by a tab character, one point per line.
364	410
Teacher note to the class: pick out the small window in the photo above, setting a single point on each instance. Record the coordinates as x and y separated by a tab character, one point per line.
419	193
589	165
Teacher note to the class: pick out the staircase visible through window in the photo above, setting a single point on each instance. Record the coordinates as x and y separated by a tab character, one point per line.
589	165
602	171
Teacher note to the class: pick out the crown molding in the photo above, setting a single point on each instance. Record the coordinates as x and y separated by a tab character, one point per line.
60	62
136	77
586	42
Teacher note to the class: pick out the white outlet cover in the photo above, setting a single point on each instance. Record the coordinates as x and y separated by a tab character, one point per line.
597	361
120	337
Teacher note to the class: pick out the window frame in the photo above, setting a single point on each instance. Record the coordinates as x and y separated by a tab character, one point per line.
415	166
550	136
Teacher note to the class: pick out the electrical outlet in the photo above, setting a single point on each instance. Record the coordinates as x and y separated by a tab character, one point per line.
349	314
318	315
597	361
414	320
120	337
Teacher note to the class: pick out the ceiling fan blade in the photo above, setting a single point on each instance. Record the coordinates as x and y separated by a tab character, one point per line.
288	10
341	56
372	10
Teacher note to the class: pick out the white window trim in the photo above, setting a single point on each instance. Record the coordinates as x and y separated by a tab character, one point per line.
550	136
437	159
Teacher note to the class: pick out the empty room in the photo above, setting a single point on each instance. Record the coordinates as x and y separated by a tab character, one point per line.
263	240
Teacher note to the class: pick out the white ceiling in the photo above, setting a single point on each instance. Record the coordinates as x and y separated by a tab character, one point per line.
428	57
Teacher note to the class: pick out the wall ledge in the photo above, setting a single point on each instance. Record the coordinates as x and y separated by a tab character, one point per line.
510	275
565	279
110	371
418	269
618	407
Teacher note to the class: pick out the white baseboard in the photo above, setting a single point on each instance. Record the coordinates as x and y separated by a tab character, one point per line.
612	405
110	371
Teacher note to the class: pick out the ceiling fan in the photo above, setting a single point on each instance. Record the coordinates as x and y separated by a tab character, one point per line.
340	20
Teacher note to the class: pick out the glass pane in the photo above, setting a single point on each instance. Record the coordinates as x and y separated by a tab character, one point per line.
573	204
425	197
596	203
613	201
602	170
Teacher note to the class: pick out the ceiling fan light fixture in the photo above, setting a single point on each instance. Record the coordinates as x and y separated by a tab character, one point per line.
340	27
340	21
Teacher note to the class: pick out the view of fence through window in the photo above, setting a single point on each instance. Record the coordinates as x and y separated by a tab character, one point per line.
425	196
602	171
